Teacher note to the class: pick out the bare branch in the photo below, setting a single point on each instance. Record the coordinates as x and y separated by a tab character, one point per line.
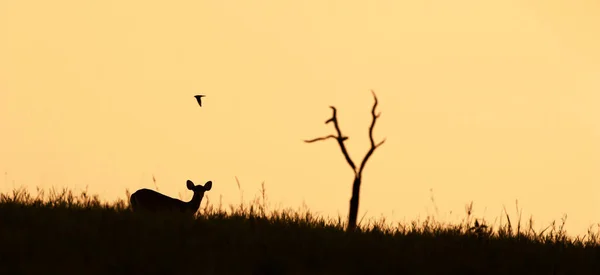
324	138
340	138
333	117
373	145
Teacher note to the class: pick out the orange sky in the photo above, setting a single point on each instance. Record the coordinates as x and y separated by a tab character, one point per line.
483	101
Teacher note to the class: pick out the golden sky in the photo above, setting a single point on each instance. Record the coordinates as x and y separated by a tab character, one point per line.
483	101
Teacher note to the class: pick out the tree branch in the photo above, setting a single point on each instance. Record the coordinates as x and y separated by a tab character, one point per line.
373	145
340	138
324	138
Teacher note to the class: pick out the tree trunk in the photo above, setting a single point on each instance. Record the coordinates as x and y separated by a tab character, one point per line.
353	215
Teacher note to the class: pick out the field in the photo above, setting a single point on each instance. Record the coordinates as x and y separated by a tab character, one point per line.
64	233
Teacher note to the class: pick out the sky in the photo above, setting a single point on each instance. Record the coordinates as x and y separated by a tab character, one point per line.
490	102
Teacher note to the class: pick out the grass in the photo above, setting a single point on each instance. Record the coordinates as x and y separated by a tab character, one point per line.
65	233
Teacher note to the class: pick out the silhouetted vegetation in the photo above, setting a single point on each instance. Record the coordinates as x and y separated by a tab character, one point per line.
63	233
354	200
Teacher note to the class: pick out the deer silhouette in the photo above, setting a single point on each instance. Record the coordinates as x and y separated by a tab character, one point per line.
152	201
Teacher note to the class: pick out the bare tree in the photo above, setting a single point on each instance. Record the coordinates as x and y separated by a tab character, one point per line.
357	171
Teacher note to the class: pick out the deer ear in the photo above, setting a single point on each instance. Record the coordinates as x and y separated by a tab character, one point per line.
190	185
208	185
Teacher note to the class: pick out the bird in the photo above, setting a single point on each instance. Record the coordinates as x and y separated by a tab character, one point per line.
199	98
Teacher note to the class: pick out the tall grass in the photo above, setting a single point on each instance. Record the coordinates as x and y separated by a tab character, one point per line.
59	232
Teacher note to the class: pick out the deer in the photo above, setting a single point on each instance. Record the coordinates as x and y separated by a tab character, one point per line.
152	201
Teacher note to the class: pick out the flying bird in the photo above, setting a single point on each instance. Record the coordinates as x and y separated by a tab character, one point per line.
199	98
